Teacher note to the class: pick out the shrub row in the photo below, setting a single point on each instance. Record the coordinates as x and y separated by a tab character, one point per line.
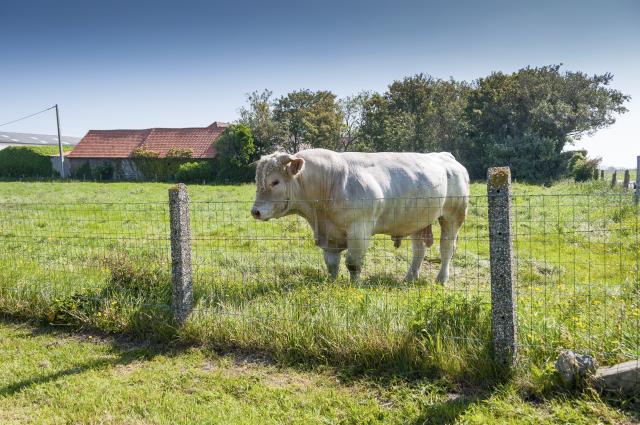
27	161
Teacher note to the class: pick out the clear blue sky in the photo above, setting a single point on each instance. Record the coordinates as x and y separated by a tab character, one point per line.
135	64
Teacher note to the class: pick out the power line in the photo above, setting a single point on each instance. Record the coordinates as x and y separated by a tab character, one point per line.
28	116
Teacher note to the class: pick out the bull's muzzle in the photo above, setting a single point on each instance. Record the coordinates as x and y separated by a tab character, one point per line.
255	213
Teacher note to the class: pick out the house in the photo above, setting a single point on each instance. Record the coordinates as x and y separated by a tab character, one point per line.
118	149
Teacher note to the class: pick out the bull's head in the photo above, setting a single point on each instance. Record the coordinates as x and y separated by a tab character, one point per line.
275	177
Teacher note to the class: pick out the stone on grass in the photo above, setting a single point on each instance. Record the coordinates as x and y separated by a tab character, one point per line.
623	377
574	368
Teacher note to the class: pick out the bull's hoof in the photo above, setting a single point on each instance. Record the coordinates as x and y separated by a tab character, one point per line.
397	241
410	277
354	272
442	277
332	275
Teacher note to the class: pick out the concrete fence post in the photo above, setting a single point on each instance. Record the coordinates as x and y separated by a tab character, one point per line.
180	252
625	181
503	299
636	197
602	175
614	179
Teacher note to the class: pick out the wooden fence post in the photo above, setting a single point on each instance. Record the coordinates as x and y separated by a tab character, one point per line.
503	300
180	252
625	181
602	175
614	179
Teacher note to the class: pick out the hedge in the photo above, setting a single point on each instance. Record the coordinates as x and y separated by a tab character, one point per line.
27	161
195	172
152	166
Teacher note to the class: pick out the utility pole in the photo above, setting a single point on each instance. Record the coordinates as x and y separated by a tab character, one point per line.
60	143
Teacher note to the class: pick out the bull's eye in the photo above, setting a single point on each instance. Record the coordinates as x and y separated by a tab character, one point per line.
275	183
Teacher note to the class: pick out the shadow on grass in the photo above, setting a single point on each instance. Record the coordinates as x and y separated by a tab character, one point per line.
127	351
448	412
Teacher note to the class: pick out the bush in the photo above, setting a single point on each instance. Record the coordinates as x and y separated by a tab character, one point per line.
195	172
17	161
103	171
582	168
83	172
152	166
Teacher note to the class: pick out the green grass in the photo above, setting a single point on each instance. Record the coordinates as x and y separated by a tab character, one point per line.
50	376
97	255
50	149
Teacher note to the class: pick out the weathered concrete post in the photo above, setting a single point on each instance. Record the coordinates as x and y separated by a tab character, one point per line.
503	300
602	175
625	181
636	197
614	179
180	252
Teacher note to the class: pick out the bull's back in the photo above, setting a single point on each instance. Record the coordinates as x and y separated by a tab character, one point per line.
399	175
408	191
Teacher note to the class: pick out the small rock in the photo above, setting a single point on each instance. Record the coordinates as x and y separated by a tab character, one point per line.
574	367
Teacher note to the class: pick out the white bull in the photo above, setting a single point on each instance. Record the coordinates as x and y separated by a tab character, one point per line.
347	197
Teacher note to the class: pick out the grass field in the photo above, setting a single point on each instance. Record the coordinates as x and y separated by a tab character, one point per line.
96	255
51	376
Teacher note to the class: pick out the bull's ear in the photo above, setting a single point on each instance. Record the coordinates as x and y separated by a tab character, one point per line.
284	158
297	164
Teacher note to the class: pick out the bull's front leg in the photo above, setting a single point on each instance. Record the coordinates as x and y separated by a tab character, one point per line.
332	260
358	237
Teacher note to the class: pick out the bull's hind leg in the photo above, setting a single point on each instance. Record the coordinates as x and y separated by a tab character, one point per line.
449	228
419	248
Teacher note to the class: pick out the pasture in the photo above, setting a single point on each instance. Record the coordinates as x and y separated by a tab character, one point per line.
96	255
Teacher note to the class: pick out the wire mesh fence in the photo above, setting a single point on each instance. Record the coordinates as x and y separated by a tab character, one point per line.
576	260
578	273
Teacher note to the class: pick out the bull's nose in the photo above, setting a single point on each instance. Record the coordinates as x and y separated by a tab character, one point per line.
255	212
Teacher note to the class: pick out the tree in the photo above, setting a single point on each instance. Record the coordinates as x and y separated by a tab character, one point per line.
417	114
235	151
258	116
308	119
353	109
526	118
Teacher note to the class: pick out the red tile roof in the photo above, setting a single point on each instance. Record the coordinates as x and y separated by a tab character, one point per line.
122	143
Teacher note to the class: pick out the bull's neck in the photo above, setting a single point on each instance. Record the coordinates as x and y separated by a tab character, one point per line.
308	197
298	197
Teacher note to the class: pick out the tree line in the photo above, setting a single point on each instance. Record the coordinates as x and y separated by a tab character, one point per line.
524	119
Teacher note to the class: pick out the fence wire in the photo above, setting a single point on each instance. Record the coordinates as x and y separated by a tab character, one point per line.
576	256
